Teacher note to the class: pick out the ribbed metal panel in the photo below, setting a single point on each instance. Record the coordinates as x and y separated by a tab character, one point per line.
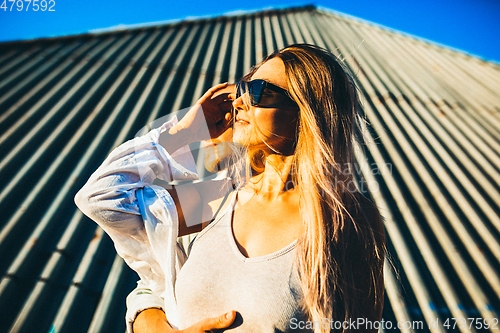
432	158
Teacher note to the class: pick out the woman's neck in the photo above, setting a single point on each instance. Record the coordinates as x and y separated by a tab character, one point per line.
276	179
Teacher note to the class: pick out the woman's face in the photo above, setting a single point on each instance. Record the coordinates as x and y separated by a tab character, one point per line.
256	126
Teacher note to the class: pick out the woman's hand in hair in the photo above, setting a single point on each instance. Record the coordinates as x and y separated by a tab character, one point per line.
210	116
155	321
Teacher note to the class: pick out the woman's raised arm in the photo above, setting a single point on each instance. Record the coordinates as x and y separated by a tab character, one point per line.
141	218
113	194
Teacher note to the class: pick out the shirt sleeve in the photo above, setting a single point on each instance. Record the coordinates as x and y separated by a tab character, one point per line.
141	298
139	217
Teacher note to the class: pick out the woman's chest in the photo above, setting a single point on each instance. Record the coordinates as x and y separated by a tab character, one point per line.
264	291
259	229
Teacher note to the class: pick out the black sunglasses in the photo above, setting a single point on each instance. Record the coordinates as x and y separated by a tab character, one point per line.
264	94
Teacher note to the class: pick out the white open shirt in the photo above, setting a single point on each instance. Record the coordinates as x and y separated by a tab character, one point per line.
141	218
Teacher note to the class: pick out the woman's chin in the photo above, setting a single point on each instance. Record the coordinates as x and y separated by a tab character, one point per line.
240	138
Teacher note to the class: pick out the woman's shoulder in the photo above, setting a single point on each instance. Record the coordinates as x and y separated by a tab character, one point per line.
196	203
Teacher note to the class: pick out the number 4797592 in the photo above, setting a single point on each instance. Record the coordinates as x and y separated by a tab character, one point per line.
36	5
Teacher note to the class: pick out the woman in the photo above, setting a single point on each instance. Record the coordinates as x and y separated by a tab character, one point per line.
302	250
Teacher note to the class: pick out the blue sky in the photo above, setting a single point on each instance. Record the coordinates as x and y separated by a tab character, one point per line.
469	25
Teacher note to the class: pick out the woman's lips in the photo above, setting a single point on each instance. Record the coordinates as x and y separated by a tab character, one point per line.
241	122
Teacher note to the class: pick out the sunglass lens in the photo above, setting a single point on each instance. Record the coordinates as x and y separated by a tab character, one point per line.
253	89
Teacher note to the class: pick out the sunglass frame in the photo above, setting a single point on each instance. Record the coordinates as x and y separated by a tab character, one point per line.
242	85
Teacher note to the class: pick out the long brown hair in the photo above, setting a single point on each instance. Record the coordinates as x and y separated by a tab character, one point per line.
341	252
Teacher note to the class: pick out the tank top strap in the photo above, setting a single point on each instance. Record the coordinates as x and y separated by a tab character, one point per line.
229	193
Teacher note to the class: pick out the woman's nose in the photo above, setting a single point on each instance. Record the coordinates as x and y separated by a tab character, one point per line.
238	103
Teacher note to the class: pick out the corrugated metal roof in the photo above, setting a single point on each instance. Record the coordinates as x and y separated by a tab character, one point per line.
432	162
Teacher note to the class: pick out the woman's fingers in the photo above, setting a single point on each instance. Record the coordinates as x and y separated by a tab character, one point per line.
227	121
209	113
210	92
218	322
226	105
216	110
222	125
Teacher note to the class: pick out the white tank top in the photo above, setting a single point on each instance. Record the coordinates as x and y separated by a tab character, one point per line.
218	278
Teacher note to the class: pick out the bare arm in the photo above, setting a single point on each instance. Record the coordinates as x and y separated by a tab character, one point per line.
155	321
189	208
152	321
